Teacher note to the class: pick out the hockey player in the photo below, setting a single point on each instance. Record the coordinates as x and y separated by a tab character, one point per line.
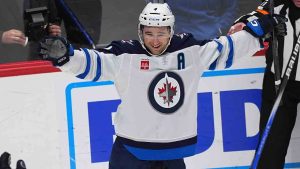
5	162
157	80
277	143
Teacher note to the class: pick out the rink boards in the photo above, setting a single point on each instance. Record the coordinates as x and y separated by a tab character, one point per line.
53	120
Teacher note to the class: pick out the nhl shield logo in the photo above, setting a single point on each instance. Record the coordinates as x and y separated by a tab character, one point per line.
166	92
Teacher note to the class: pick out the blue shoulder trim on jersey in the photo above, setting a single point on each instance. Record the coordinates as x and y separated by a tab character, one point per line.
231	53
88	64
163	154
98	71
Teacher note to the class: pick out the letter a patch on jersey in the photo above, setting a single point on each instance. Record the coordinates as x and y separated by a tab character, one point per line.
145	64
166	92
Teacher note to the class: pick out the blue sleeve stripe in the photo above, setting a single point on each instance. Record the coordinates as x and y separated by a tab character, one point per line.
231	53
88	64
98	71
214	64
220	46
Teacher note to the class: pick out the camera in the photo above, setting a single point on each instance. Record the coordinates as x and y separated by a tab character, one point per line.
36	22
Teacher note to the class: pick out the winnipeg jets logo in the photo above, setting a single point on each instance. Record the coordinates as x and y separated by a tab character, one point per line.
166	92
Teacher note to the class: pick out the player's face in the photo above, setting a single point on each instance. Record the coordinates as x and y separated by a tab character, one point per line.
297	3
156	39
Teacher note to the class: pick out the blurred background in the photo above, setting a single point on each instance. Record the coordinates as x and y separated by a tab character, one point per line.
120	18
86	23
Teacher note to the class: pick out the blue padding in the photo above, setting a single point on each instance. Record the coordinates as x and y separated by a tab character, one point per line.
255	27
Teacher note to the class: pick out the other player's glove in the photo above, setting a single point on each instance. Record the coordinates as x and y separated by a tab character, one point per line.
56	49
262	9
266	22
262	26
5	161
21	164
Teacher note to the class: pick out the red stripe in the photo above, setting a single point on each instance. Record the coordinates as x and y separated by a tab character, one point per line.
263	51
27	68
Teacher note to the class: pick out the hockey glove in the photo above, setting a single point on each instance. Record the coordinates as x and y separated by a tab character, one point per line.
262	26
55	49
21	164
261	10
5	162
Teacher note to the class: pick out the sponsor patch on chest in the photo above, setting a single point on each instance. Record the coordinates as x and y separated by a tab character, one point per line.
145	64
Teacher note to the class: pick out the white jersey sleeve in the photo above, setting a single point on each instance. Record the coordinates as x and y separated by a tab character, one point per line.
93	65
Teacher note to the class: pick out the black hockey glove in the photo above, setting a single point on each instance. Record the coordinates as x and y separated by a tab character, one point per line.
262	26
5	162
21	164
262	9
280	29
55	49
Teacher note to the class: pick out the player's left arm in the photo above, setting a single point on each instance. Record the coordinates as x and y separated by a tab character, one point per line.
243	43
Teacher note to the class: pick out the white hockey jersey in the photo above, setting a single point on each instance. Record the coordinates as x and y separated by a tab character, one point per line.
157	118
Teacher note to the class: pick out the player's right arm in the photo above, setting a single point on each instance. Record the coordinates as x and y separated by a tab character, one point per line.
84	63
